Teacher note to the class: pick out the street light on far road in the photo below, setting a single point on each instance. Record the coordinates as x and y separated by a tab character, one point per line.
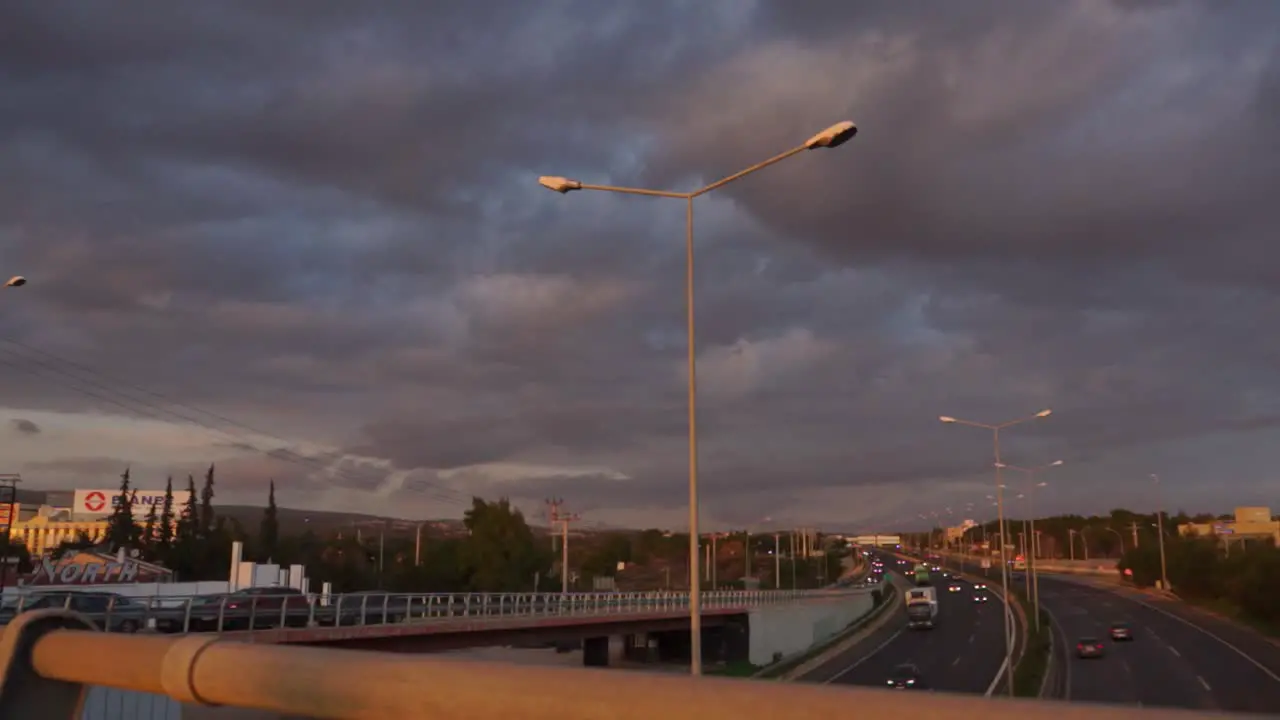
1031	533
1004	565
832	137
15	281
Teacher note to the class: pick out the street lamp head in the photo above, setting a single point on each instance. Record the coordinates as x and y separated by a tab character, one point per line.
1056	463
559	184
16	281
1044	413
946	418
1042	484
1001	465
832	137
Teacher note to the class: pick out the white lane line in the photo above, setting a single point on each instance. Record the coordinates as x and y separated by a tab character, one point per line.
862	659
957	662
1265	670
971	639
1204	684
1174	650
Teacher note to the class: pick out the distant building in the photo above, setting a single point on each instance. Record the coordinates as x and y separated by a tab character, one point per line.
1250	523
954	534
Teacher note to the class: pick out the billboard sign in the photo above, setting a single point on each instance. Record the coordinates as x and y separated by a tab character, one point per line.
8	513
88	568
102	502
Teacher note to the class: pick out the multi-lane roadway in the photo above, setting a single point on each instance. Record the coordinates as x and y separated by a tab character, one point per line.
1172	662
962	653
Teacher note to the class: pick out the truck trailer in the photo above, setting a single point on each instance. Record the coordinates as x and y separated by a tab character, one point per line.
922	608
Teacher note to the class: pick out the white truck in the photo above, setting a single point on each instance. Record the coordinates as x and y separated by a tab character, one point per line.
922	608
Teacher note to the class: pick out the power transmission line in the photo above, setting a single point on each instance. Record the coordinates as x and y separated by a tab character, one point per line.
99	389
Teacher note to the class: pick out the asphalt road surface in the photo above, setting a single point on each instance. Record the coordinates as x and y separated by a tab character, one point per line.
1170	663
962	653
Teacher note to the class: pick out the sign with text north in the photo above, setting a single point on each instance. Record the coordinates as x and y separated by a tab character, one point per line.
102	502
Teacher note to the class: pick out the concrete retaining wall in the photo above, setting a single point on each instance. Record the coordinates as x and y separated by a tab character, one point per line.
790	629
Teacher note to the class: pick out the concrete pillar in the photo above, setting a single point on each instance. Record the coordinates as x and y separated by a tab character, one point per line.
595	652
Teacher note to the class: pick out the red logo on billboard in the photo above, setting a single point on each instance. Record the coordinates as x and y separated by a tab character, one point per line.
95	501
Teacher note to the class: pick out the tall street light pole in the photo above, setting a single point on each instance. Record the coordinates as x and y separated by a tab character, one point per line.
1031	473
832	137
1004	565
1164	569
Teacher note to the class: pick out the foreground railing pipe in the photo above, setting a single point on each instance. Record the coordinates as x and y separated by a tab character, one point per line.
356	685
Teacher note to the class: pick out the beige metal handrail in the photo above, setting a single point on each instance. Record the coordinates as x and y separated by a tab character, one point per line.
353	685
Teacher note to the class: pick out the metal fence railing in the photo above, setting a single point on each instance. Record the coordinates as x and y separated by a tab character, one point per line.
45	666
268	610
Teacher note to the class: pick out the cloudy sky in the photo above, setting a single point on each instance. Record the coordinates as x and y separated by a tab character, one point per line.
305	240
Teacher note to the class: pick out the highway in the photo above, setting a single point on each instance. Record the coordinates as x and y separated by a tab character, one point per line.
962	653
1171	663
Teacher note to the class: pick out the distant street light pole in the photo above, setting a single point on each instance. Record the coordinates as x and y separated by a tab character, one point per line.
831	138
1031	536
1004	565
1164	569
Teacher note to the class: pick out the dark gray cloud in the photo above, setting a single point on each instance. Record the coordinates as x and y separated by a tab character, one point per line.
24	426
309	234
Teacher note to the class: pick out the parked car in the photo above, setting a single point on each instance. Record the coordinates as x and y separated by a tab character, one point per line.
251	608
108	611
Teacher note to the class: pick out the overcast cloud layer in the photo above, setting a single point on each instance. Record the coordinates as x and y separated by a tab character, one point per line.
305	240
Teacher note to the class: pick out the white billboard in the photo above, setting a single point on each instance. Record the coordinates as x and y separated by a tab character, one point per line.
102	502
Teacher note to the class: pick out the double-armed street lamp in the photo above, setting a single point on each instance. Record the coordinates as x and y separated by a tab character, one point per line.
1004	565
1031	473
831	138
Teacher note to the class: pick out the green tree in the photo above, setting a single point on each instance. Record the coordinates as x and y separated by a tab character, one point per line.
499	553
149	531
269	533
13	548
122	531
164	530
188	519
206	519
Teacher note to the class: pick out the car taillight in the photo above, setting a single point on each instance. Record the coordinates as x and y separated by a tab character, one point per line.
232	606
1080	646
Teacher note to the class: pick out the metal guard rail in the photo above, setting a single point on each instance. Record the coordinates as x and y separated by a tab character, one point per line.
230	612
45	668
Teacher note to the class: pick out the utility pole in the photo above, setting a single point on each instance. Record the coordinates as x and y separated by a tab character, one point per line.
792	560
714	558
381	547
746	557
553	511
417	546
1164	570
563	520
1133	528
8	498
777	561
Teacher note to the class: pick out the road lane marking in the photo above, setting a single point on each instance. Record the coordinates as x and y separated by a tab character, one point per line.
971	636
1265	670
1204	684
1174	650
957	662
862	659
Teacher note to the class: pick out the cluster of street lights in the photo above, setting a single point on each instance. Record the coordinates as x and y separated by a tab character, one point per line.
1004	566
830	138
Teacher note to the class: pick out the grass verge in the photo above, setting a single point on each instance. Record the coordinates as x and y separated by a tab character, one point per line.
1028	676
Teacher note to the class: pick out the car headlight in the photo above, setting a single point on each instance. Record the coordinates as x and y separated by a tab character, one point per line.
911	682
889	683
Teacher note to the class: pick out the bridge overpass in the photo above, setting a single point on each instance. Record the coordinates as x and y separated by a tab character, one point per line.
45	665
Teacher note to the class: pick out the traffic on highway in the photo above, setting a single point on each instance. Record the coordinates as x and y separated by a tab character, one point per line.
939	640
